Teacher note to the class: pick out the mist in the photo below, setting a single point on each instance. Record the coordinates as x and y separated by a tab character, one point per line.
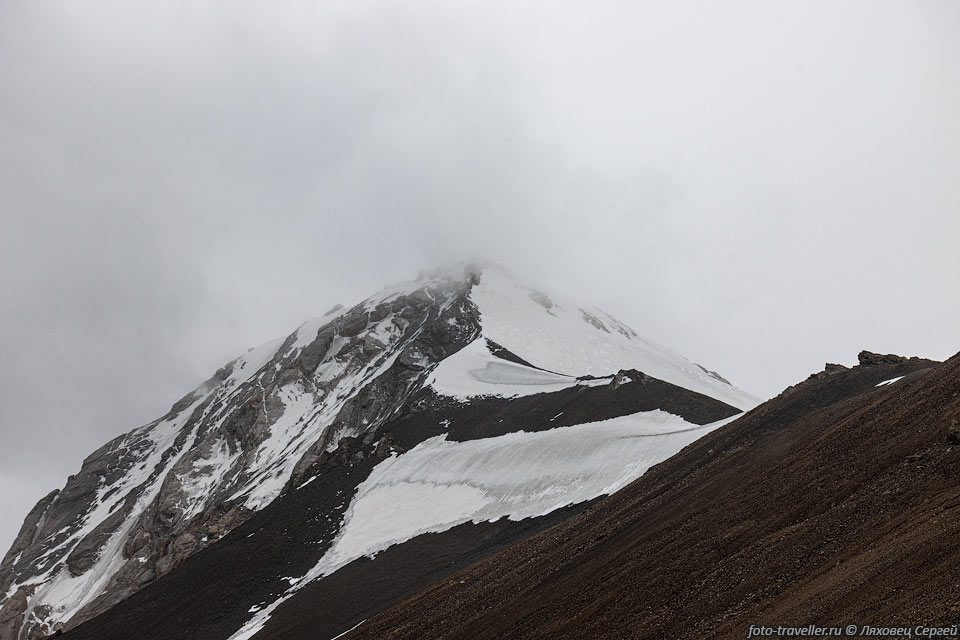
761	186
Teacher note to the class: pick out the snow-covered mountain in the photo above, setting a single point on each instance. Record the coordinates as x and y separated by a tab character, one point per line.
464	396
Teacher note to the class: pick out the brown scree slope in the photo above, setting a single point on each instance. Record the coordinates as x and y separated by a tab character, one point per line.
836	502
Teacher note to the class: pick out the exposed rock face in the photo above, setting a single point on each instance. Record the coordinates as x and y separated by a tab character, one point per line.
12	612
624	377
541	299
868	358
147	500
26	538
713	374
594	320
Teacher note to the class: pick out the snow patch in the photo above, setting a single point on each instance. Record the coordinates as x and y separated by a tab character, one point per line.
340	635
439	484
475	371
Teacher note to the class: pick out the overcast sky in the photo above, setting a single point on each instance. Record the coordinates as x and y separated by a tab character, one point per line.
761	186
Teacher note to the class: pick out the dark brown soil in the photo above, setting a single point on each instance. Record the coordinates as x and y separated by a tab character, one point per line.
837	502
363	588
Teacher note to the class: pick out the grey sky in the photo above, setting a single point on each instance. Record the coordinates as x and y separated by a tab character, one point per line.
761	186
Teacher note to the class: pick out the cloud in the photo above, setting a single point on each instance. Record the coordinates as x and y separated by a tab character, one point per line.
760	186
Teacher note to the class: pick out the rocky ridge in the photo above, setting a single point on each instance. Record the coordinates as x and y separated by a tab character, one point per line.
149	499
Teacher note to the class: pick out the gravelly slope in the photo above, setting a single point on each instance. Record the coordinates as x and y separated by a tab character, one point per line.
837	501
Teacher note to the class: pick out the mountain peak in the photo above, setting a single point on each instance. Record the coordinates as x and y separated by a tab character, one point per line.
333	395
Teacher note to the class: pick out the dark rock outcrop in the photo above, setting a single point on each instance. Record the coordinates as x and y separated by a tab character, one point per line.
869	359
27	536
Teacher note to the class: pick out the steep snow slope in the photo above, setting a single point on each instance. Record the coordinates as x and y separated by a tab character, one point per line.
476	371
439	484
567	338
